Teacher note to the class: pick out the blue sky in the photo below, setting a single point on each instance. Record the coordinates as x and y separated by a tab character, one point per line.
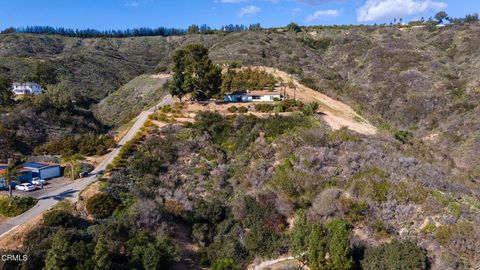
122	14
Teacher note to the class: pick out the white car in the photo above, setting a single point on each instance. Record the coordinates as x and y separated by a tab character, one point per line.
25	187
38	182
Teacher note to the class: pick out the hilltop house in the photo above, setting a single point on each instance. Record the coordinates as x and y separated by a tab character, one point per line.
27	88
252	96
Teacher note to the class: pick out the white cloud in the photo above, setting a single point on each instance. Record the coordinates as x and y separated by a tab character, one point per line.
295	11
132	4
138	3
250	10
322	14
374	10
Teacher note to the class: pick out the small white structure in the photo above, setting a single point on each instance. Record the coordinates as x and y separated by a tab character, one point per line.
28	88
265	96
253	96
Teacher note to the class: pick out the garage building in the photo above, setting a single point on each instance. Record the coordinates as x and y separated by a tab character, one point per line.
43	171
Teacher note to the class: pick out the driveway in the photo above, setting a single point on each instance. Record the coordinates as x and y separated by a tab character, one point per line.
51	186
71	190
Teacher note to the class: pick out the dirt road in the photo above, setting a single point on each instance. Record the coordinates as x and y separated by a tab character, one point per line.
336	113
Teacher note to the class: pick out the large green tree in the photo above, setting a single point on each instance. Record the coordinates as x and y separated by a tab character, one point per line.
293	27
193	29
339	245
44	74
299	234
102	255
195	73
151	253
440	16
58	255
317	247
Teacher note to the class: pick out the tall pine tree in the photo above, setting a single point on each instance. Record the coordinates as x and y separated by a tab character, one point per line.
102	255
58	255
317	247
339	245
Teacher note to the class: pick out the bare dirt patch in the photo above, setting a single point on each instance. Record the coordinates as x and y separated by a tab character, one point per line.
14	239
3	219
335	113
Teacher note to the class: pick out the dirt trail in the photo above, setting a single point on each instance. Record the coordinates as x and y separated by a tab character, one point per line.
337	114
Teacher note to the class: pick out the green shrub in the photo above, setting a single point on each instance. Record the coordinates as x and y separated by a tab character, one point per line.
232	109
310	108
214	124
101	205
318	240
293	27
396	255
264	224
242	109
355	210
224	264
277	125
147	252
283	179
85	144
372	183
167	108
342	135
160	69
403	136
429	228
385	126
11	207
264	107
309	82
247	79
443	234
379	228
54	218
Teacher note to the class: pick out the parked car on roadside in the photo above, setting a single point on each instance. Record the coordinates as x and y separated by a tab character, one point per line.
25	187
38	182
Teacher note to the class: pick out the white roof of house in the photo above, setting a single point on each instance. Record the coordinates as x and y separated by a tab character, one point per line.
264	93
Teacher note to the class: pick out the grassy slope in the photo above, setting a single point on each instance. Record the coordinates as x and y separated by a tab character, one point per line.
128	101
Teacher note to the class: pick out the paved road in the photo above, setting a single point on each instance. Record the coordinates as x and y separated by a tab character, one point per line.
72	190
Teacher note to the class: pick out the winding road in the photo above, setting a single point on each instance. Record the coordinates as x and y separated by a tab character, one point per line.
71	191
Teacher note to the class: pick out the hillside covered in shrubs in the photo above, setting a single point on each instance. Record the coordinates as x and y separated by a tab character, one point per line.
242	187
422	80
